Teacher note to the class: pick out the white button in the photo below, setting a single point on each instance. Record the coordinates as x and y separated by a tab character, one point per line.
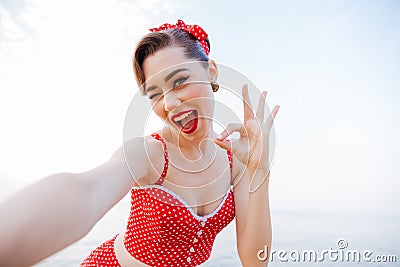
203	223
191	249
189	259
199	233
195	240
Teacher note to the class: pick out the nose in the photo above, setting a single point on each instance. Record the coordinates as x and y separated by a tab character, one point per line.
171	101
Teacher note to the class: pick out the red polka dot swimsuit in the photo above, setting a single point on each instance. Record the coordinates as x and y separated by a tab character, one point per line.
163	230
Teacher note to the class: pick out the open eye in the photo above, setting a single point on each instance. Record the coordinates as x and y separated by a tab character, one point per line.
180	81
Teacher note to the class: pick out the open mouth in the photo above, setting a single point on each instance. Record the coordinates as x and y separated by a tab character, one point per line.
186	120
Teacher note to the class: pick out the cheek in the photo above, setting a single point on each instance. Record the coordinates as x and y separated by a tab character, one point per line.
158	109
202	96
199	91
206	94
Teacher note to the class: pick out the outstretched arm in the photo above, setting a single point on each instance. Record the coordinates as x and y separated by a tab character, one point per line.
60	209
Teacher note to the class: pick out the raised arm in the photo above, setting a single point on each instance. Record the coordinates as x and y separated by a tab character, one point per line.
61	208
253	221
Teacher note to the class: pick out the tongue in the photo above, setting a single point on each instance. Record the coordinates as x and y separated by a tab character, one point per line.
188	125
188	121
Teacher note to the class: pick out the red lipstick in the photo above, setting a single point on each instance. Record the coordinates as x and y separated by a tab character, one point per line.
186	121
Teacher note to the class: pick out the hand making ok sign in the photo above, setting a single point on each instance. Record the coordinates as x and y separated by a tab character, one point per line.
252	148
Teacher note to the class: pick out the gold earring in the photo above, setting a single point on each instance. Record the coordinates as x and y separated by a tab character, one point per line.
214	86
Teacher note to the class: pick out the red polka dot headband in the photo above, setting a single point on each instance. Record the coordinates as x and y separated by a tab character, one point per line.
194	30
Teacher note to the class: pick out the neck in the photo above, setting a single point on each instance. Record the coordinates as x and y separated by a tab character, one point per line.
192	147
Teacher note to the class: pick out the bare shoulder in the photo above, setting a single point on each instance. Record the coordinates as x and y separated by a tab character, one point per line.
144	159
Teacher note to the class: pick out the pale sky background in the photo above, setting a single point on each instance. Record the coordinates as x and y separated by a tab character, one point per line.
66	82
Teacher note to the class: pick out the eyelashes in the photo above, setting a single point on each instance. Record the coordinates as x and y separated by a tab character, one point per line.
152	96
177	82
180	81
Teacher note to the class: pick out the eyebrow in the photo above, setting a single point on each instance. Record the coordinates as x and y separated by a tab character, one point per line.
151	88
166	79
169	76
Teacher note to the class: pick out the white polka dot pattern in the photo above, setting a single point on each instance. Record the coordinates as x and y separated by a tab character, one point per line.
163	230
195	30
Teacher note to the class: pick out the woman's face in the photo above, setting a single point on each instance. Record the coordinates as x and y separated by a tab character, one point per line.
180	91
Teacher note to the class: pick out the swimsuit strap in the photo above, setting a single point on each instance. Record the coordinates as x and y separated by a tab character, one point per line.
230	159
164	173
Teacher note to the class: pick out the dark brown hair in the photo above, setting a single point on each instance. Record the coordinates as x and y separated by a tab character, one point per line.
155	41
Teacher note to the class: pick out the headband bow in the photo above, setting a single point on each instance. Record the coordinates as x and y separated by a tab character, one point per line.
194	30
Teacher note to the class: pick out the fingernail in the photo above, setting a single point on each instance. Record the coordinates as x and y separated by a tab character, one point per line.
220	137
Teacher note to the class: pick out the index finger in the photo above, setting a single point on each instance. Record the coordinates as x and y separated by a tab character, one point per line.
247	108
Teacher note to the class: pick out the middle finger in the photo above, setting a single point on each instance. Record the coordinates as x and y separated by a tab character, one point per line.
247	108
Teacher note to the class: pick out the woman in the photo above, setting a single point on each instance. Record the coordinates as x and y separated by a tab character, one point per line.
169	224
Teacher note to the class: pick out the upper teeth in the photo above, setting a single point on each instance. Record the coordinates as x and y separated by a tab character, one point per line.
184	115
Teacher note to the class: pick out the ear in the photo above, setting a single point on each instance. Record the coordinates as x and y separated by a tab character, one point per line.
213	70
